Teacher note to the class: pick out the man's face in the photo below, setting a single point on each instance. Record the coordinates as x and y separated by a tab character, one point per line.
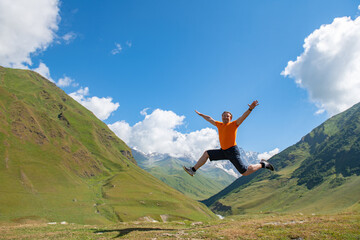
226	117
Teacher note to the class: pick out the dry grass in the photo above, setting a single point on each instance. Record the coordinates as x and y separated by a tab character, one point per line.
265	226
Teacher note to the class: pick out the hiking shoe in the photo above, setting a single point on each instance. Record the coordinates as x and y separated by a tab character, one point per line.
267	165
189	171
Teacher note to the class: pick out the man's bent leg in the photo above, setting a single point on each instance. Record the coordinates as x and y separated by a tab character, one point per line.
252	168
202	160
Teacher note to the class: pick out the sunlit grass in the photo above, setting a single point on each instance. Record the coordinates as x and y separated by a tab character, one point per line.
264	226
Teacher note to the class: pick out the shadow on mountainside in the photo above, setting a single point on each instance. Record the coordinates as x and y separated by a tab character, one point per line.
123	232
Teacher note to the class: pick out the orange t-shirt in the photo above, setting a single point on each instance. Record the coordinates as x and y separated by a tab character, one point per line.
227	134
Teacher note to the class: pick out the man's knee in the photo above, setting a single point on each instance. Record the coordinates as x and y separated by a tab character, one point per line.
206	154
250	168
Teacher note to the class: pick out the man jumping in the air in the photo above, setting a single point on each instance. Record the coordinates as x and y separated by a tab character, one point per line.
229	150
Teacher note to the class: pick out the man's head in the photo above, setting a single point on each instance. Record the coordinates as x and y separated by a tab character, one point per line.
226	117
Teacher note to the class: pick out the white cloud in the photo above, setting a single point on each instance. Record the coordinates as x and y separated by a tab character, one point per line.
144	111
44	71
320	111
329	67
81	93
70	36
117	49
26	27
101	107
122	129
157	134
66	82
267	155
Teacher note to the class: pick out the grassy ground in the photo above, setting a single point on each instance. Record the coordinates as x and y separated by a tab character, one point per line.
265	226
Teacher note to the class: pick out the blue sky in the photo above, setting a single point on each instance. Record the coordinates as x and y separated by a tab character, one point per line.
180	56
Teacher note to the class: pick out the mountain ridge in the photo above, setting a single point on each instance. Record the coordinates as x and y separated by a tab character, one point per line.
61	163
324	163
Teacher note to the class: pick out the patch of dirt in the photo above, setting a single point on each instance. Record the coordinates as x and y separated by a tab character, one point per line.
29	220
82	163
284	223
25	126
164	218
147	219
45	95
106	137
66	149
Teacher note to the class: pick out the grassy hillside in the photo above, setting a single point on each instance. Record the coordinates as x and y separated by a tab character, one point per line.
58	162
207	182
318	174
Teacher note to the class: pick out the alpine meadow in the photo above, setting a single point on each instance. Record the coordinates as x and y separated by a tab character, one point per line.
61	163
179	119
319	174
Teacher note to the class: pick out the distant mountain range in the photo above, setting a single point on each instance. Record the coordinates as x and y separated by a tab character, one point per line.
169	170
60	163
209	180
319	174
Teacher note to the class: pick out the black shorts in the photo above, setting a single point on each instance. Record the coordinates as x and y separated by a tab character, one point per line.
232	154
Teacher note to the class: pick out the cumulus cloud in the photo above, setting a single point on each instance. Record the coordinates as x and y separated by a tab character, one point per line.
44	71
267	155
66	82
26	27
157	133
101	107
123	130
329	67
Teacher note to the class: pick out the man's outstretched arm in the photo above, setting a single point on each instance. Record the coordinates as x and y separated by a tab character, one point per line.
246	114
207	118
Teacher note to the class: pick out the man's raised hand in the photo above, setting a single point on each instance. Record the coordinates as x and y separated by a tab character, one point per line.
253	104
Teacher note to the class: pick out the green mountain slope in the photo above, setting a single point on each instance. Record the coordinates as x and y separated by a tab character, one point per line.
207	182
58	162
318	174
